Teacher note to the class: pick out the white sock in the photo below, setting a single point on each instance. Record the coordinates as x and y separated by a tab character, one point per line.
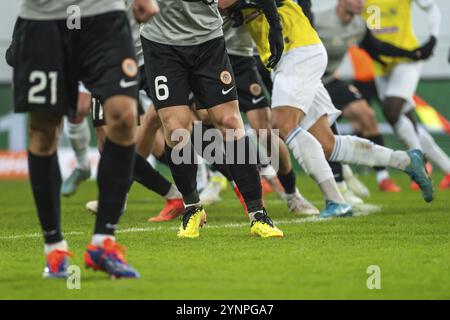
79	135
98	239
331	191
404	128
309	154
433	152
382	175
61	245
355	150
173	193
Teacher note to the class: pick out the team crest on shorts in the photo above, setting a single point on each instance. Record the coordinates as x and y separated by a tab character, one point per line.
129	67
225	77
255	89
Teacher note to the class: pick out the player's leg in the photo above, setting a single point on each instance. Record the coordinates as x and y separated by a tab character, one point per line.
226	117
361	113
355	150
396	91
45	179
45	106
261	121
105	66
143	172
436	155
78	133
296	81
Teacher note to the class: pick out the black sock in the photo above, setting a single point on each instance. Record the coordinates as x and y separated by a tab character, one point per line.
287	181
246	175
146	175
223	169
215	166
338	174
184	174
45	179
114	176
379	140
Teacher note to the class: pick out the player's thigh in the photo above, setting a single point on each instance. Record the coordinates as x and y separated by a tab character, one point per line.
260	119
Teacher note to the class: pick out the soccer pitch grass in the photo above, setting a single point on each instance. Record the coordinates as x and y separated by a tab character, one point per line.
408	239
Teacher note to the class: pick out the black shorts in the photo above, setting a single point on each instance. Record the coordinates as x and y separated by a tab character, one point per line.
265	74
342	94
50	59
250	88
173	72
368	90
97	110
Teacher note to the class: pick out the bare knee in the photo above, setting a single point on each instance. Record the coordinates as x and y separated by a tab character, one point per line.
232	122
121	119
176	130
364	116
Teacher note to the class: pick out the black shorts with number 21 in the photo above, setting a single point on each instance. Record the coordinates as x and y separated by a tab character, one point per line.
49	59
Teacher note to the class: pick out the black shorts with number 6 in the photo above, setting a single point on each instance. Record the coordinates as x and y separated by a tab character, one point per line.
49	59
173	72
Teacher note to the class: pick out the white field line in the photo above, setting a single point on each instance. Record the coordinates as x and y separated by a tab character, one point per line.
360	210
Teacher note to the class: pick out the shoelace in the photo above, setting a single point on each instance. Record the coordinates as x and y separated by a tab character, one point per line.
189	212
262	216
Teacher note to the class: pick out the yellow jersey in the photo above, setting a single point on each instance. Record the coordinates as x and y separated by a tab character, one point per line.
297	29
391	22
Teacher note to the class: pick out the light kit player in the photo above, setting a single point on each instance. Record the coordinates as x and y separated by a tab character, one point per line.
50	56
397	79
300	104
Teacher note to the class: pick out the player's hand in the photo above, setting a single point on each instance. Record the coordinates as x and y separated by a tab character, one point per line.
426	51
276	46
145	9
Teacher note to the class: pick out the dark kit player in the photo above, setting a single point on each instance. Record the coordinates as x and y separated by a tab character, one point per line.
184	52
49	58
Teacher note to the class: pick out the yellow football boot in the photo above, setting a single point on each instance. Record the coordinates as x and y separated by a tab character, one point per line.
193	219
263	226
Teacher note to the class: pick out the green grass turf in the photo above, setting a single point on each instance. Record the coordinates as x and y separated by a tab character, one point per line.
408	239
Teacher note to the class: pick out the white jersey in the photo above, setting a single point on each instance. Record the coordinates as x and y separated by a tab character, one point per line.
63	9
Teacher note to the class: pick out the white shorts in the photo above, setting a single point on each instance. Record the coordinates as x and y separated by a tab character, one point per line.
401	82
297	82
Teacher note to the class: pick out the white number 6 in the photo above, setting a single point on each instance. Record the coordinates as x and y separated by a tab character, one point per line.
160	85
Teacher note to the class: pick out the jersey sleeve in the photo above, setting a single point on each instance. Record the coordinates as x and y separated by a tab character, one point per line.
434	15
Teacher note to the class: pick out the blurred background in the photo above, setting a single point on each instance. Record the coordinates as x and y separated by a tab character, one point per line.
434	89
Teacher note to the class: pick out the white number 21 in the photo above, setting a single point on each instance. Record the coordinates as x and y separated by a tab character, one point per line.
41	79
